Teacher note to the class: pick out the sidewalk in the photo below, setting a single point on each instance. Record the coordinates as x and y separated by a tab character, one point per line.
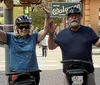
55	77
52	77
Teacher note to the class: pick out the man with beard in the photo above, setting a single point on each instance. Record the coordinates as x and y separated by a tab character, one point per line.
75	41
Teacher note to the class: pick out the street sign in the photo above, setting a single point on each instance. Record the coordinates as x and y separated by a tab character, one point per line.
59	9
30	1
8	27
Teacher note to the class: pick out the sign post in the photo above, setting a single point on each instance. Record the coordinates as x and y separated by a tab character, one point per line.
8	22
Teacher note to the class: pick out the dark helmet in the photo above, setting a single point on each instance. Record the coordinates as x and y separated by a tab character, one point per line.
74	10
24	19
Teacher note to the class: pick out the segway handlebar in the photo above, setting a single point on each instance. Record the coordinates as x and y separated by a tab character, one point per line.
22	72
76	61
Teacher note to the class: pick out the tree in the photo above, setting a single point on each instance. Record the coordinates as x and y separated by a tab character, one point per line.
38	16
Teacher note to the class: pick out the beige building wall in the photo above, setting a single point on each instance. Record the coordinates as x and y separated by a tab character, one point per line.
94	14
91	13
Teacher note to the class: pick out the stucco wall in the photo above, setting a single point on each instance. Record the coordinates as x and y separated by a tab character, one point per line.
91	13
94	14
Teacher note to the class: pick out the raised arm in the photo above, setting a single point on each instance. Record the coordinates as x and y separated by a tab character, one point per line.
51	30
3	37
51	44
47	22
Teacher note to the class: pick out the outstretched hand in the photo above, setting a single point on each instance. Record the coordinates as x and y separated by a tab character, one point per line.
47	13
49	25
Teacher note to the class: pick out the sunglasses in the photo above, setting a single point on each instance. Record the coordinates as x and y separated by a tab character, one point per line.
25	27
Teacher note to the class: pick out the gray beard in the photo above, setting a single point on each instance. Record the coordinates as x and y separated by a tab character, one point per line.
73	24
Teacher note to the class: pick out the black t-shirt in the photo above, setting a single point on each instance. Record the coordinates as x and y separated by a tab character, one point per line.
77	45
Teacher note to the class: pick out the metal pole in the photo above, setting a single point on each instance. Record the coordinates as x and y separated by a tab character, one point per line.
8	27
